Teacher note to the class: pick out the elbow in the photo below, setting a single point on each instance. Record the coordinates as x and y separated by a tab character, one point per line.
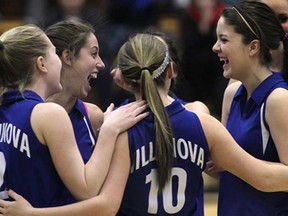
111	207
114	207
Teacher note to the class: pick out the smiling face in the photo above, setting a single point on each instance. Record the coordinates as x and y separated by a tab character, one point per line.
85	66
231	50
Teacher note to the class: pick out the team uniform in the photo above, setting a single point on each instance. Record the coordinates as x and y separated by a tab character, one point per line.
83	130
84	135
246	123
183	194
25	162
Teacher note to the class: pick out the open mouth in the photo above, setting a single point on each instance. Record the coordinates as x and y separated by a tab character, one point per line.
92	76
225	60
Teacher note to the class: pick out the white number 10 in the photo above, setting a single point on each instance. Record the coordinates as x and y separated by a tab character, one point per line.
167	192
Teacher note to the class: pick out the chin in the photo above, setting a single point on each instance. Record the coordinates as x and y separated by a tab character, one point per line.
59	88
226	75
84	94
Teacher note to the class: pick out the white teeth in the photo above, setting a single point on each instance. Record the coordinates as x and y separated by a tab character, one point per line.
225	60
93	76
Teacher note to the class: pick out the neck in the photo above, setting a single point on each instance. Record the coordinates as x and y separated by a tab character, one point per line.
166	99
255	79
64	100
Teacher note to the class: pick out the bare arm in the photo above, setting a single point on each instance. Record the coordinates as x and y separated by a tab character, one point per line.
213	169
267	177
84	181
276	115
106	203
227	100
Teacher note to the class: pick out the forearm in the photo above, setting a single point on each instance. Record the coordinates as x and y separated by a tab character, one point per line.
264	176
277	178
97	167
91	207
110	197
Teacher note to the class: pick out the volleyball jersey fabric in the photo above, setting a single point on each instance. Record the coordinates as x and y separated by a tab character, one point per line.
84	135
29	168
247	125
183	195
83	130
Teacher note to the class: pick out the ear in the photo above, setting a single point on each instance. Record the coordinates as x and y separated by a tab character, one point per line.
254	47
127	85
41	64
170	71
66	57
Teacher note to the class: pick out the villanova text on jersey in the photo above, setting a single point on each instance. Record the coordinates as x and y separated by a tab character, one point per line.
182	148
12	135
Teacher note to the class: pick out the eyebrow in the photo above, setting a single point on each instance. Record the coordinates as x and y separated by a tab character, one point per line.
96	47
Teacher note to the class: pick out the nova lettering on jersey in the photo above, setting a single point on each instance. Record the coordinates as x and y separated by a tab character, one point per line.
182	148
9	134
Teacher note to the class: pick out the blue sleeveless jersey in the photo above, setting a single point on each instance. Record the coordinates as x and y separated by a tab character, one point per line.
26	162
247	125
83	131
84	135
183	195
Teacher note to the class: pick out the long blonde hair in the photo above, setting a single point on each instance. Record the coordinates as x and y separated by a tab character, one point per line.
20	46
143	60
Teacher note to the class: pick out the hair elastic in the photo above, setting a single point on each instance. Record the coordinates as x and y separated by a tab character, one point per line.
144	68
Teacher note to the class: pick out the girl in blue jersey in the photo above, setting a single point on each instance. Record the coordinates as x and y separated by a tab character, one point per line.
255	109
38	151
78	49
160	159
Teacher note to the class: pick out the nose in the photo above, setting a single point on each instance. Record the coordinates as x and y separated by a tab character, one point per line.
216	47
100	64
113	72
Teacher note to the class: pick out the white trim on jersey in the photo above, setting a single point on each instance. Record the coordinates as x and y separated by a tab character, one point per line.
264	132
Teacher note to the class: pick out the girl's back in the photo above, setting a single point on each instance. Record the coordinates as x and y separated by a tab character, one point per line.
29	167
181	194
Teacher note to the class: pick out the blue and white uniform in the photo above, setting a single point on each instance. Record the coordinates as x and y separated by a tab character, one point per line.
247	125
83	130
183	195
84	134
25	162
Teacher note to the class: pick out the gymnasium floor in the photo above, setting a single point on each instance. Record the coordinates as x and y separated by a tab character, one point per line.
210	207
210	195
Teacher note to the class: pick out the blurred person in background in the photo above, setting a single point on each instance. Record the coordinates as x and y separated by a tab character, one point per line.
280	7
202	72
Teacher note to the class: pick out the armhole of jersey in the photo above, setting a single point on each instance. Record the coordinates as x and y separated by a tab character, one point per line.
263	120
265	132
